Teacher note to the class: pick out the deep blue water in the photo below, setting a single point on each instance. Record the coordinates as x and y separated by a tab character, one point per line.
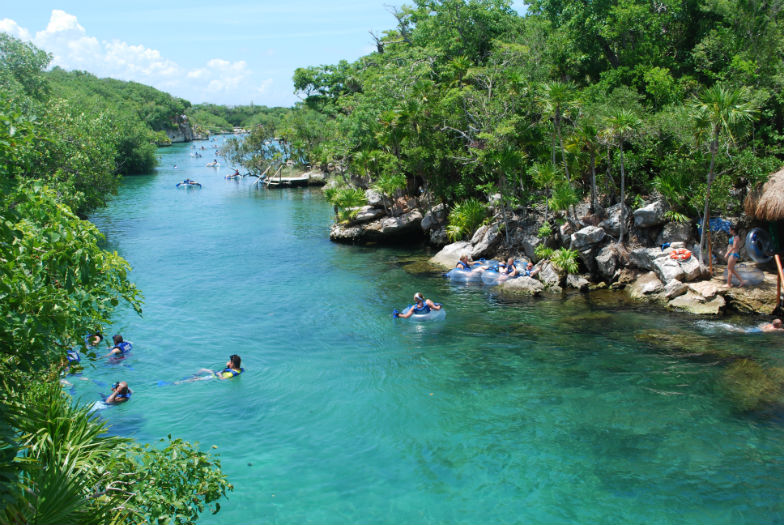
538	411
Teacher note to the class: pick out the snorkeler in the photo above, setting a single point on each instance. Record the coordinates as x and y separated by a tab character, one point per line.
233	368
120	347
120	393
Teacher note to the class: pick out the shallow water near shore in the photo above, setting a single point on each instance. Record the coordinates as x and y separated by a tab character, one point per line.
535	411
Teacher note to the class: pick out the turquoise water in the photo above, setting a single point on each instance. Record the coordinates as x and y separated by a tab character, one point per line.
539	411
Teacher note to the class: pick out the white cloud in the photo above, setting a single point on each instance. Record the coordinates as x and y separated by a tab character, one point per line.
12	28
72	48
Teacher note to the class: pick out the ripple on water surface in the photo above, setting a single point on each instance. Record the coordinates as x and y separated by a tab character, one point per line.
534	411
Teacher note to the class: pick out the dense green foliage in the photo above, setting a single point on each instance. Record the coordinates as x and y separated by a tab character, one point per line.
214	118
57	465
602	100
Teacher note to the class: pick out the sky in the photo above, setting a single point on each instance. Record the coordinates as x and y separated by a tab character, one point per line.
222	51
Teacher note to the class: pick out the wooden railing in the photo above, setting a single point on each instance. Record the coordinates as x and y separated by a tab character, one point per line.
779	280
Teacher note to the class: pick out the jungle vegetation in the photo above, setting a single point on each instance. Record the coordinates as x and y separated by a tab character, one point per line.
608	101
61	153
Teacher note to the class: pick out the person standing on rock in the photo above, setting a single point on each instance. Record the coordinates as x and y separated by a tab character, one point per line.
733	256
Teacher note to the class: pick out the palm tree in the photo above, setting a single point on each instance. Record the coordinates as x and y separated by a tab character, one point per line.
586	138
556	99
621	126
718	109
545	176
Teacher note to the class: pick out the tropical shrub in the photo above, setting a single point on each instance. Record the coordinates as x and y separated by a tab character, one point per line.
566	260
465	218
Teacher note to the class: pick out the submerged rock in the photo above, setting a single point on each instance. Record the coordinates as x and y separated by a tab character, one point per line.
751	387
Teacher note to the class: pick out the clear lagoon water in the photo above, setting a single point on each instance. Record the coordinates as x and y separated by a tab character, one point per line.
537	411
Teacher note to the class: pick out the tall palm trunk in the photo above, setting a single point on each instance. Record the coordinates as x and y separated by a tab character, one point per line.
714	148
593	181
623	188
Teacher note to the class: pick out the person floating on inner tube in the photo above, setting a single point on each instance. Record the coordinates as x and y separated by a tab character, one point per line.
421	306
120	347
529	270
733	256
464	263
233	368
511	269
120	393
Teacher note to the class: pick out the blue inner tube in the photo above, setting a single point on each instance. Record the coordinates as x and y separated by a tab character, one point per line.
184	184
464	276
758	245
432	315
493	277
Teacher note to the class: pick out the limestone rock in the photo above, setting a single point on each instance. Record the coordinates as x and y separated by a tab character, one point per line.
707	289
669	269
479	234
676	232
523	286
438	237
578	282
697	304
607	262
588	258
565	231
345	233
396	226
491	238
367	214
550	275
587	237
650	215
612	224
646	284
374	198
449	254
434	218
643	258
674	288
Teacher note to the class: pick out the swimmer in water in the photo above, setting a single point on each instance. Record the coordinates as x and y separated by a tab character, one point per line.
120	347
774	326
120	393
233	368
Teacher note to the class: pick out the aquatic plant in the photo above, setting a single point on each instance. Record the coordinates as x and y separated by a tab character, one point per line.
565	259
751	387
465	218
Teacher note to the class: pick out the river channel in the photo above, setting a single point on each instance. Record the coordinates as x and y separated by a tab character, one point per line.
532	411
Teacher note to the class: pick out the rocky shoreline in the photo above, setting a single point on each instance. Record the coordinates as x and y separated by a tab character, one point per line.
644	267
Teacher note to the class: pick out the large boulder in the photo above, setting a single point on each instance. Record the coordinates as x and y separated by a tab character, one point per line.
615	214
434	218
697	304
666	268
674	288
485	246
402	225
676	232
449	254
607	262
522	286
438	237
587	237
374	198
588	258
551	275
650	215
646	284
578	282
565	231
340	232
367	214
528	238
